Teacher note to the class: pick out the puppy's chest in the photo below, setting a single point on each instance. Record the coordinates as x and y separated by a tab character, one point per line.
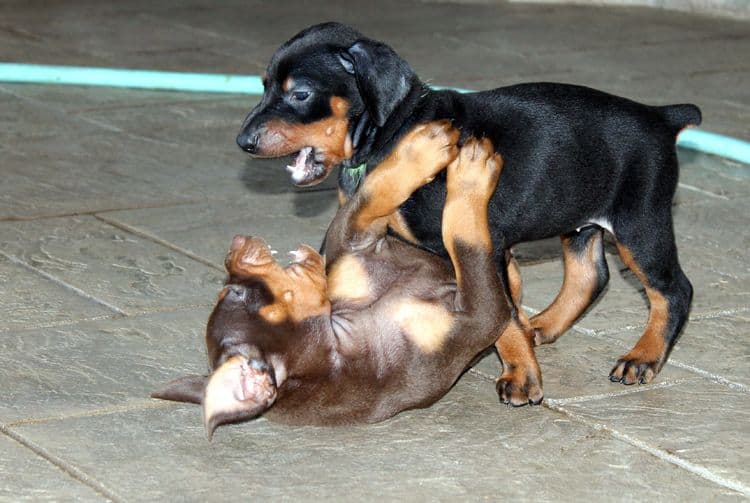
385	301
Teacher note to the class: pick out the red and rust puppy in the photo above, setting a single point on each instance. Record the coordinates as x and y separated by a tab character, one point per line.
385	327
578	162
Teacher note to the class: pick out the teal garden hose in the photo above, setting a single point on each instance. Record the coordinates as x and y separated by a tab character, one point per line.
693	139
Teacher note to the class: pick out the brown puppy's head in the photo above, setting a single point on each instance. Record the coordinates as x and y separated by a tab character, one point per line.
254	333
327	91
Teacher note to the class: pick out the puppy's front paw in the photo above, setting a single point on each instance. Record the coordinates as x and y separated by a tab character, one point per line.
429	148
476	170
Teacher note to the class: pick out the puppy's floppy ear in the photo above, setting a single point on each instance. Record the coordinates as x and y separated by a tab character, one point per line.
185	389
383	78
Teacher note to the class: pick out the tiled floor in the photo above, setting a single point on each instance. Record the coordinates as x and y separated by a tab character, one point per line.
117	206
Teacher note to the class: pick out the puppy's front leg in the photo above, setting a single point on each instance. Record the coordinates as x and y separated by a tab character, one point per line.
480	302
471	183
419	156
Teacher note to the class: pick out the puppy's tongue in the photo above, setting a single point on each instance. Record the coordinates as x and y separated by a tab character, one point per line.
302	167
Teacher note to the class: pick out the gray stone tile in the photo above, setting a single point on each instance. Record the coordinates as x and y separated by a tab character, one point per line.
74	166
718	346
85	99
620	305
69	185
213	124
577	366
97	365
28	299
168	162
696	422
283	220
725	112
713	239
466	446
24	476
122	270
118	158
721	179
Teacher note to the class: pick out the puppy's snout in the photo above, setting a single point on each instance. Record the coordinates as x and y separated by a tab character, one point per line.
249	142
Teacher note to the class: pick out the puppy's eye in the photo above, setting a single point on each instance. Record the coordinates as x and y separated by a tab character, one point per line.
300	95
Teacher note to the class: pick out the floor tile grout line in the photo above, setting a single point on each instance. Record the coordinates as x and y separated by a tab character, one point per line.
702	191
95	212
735	386
708	315
694	468
65	323
70	470
146	235
113	316
621	392
105	411
599	396
64	284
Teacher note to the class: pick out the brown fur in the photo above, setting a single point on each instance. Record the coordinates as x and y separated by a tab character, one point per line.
386	327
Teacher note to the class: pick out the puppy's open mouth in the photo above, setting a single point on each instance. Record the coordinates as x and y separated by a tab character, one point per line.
307	167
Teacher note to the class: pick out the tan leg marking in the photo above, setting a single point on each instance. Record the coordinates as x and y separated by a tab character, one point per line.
515	286
419	156
348	280
650	348
472	179
521	380
425	324
342	198
397	224
579	284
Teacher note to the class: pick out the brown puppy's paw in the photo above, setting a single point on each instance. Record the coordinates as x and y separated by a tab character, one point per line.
476	170
519	386
428	148
631	369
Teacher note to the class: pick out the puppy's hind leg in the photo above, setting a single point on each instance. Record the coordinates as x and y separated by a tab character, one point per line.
586	275
471	182
654	262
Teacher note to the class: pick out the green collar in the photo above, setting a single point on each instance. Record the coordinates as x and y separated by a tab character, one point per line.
353	177
359	171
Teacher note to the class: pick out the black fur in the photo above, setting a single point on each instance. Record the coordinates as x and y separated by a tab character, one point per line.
573	155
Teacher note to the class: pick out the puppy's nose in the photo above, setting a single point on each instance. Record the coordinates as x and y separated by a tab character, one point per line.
248	142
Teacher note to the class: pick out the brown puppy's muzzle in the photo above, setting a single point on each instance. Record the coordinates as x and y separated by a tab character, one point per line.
249	256
238	390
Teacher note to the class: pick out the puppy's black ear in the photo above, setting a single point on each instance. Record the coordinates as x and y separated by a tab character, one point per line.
383	78
185	389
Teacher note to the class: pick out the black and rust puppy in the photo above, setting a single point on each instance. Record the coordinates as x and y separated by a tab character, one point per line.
385	327
577	162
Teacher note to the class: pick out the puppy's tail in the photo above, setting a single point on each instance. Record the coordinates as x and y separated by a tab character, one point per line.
678	117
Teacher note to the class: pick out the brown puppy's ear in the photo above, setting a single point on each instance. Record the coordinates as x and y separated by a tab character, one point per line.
239	389
383	78
185	389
